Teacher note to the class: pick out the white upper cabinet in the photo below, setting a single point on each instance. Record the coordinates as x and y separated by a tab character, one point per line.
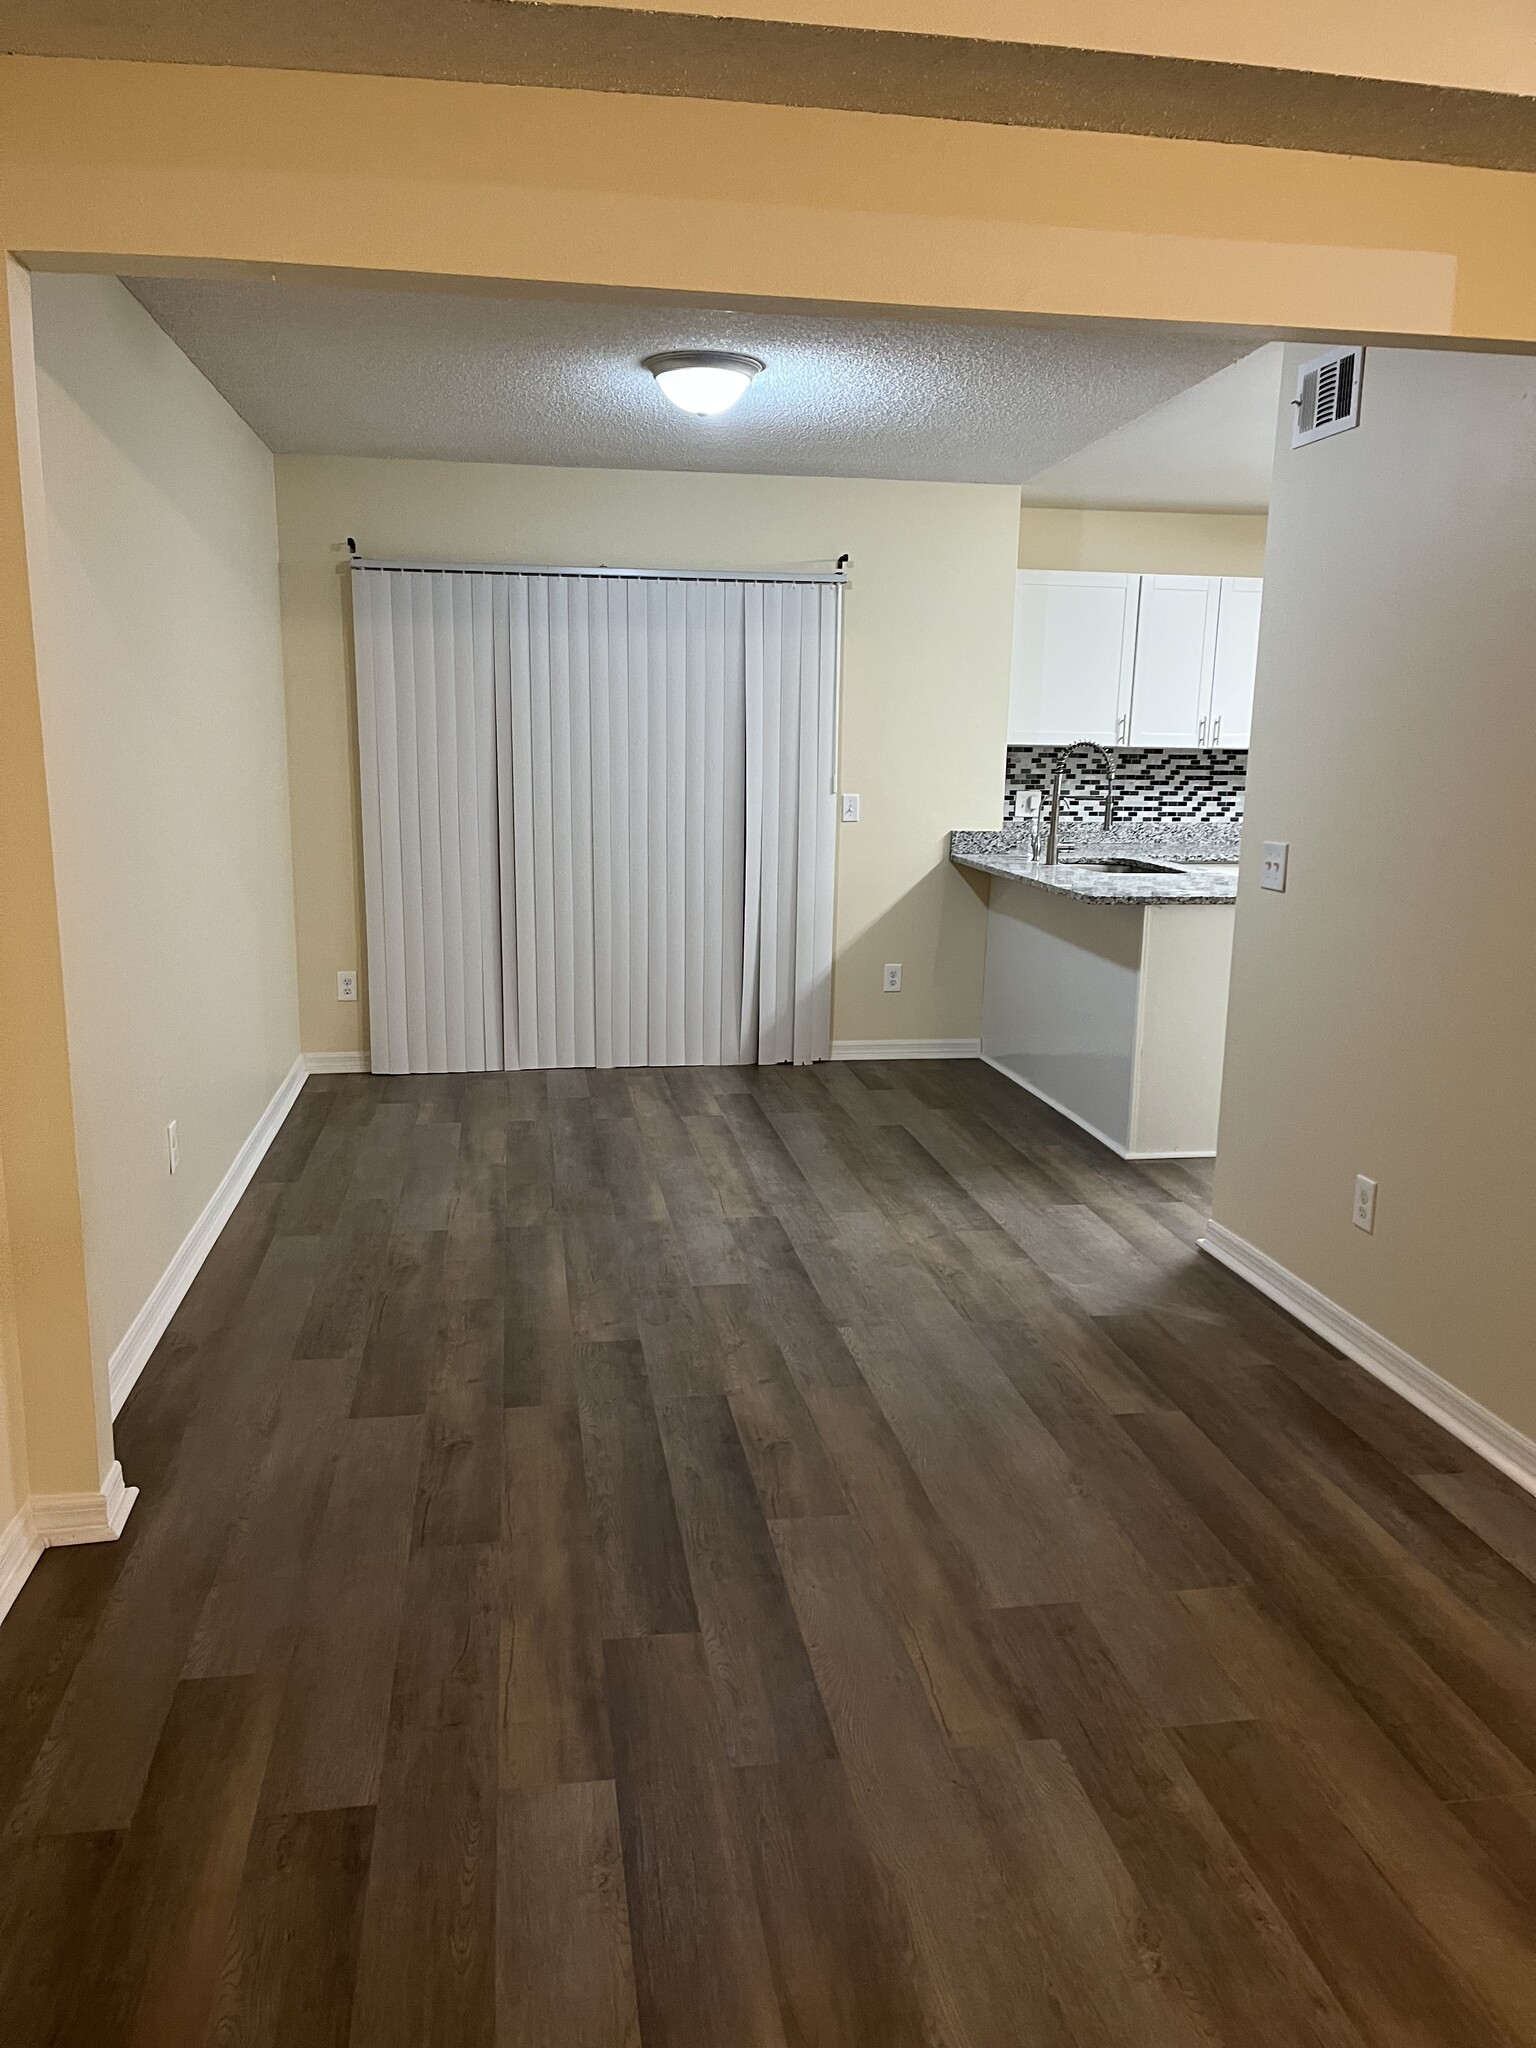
1074	642
1237	661
1142	661
1175	659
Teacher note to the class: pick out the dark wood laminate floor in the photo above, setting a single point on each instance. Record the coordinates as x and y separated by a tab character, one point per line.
763	1559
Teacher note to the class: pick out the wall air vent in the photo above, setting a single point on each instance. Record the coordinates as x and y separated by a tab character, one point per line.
1327	397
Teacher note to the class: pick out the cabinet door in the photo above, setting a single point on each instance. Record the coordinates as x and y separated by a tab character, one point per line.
1237	660
1073	644
1175	653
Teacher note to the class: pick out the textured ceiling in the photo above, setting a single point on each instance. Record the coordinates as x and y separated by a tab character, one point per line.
557	380
1210	449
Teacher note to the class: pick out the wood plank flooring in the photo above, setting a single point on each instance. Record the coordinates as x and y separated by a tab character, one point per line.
764	1558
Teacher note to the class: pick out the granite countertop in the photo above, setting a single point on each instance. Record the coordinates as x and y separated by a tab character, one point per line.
1203	860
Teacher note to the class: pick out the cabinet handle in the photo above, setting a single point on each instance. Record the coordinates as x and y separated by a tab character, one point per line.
1201	741
1216	732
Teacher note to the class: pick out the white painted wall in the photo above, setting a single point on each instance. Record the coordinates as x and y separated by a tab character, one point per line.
162	699
1383	1010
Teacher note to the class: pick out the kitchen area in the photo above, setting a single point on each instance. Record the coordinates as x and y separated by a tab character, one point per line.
1112	884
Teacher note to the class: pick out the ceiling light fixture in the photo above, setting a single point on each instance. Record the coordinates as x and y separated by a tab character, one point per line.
703	381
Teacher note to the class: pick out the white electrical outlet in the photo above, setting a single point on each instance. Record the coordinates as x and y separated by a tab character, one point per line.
172	1146
850	810
346	985
1364	1214
1277	859
892	983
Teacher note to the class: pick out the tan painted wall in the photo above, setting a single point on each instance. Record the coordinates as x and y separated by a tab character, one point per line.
1381	1009
1161	543
927	639
13	1438
161	686
69	1442
270	167
1491	43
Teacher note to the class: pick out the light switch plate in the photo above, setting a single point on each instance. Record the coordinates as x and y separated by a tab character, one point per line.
1277	859
850	810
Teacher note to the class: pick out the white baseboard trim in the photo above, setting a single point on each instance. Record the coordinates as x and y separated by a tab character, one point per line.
63	1518
1082	1122
51	1519
132	1354
20	1548
84	1517
1474	1425
1060	1108
337	1063
906	1048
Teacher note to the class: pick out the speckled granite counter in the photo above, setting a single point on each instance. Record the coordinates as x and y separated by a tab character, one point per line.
1201	863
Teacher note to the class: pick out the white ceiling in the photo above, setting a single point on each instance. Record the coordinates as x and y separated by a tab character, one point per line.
556	379
1209	449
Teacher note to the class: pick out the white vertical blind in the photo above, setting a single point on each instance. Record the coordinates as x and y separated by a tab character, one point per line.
426	745
632	780
792	633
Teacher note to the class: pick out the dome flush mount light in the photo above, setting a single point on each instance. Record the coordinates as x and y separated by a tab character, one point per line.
703	381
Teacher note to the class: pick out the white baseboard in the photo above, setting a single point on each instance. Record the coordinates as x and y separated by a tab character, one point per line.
131	1356
1060	1108
52	1519
1467	1420
20	1548
58	1518
337	1063
906	1048
1082	1122
84	1517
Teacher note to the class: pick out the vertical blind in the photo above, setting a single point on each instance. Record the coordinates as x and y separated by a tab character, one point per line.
598	817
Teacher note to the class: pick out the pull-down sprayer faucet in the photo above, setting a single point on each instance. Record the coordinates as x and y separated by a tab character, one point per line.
1056	774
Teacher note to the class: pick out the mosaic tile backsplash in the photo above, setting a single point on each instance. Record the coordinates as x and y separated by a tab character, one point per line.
1153	785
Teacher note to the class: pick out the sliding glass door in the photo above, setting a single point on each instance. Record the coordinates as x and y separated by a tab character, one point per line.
598	816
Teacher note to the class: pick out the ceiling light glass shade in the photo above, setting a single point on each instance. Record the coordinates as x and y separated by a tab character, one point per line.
703	381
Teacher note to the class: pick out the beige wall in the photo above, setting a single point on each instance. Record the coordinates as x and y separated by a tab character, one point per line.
161	688
69	1443
13	1442
207	166
928	632
1382	1008
1161	543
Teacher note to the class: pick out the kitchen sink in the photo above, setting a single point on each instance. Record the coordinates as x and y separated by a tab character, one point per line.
1118	866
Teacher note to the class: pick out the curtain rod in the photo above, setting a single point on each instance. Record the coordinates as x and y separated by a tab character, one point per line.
626	575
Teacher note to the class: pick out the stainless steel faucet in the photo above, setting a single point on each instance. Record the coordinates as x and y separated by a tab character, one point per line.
1056	774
